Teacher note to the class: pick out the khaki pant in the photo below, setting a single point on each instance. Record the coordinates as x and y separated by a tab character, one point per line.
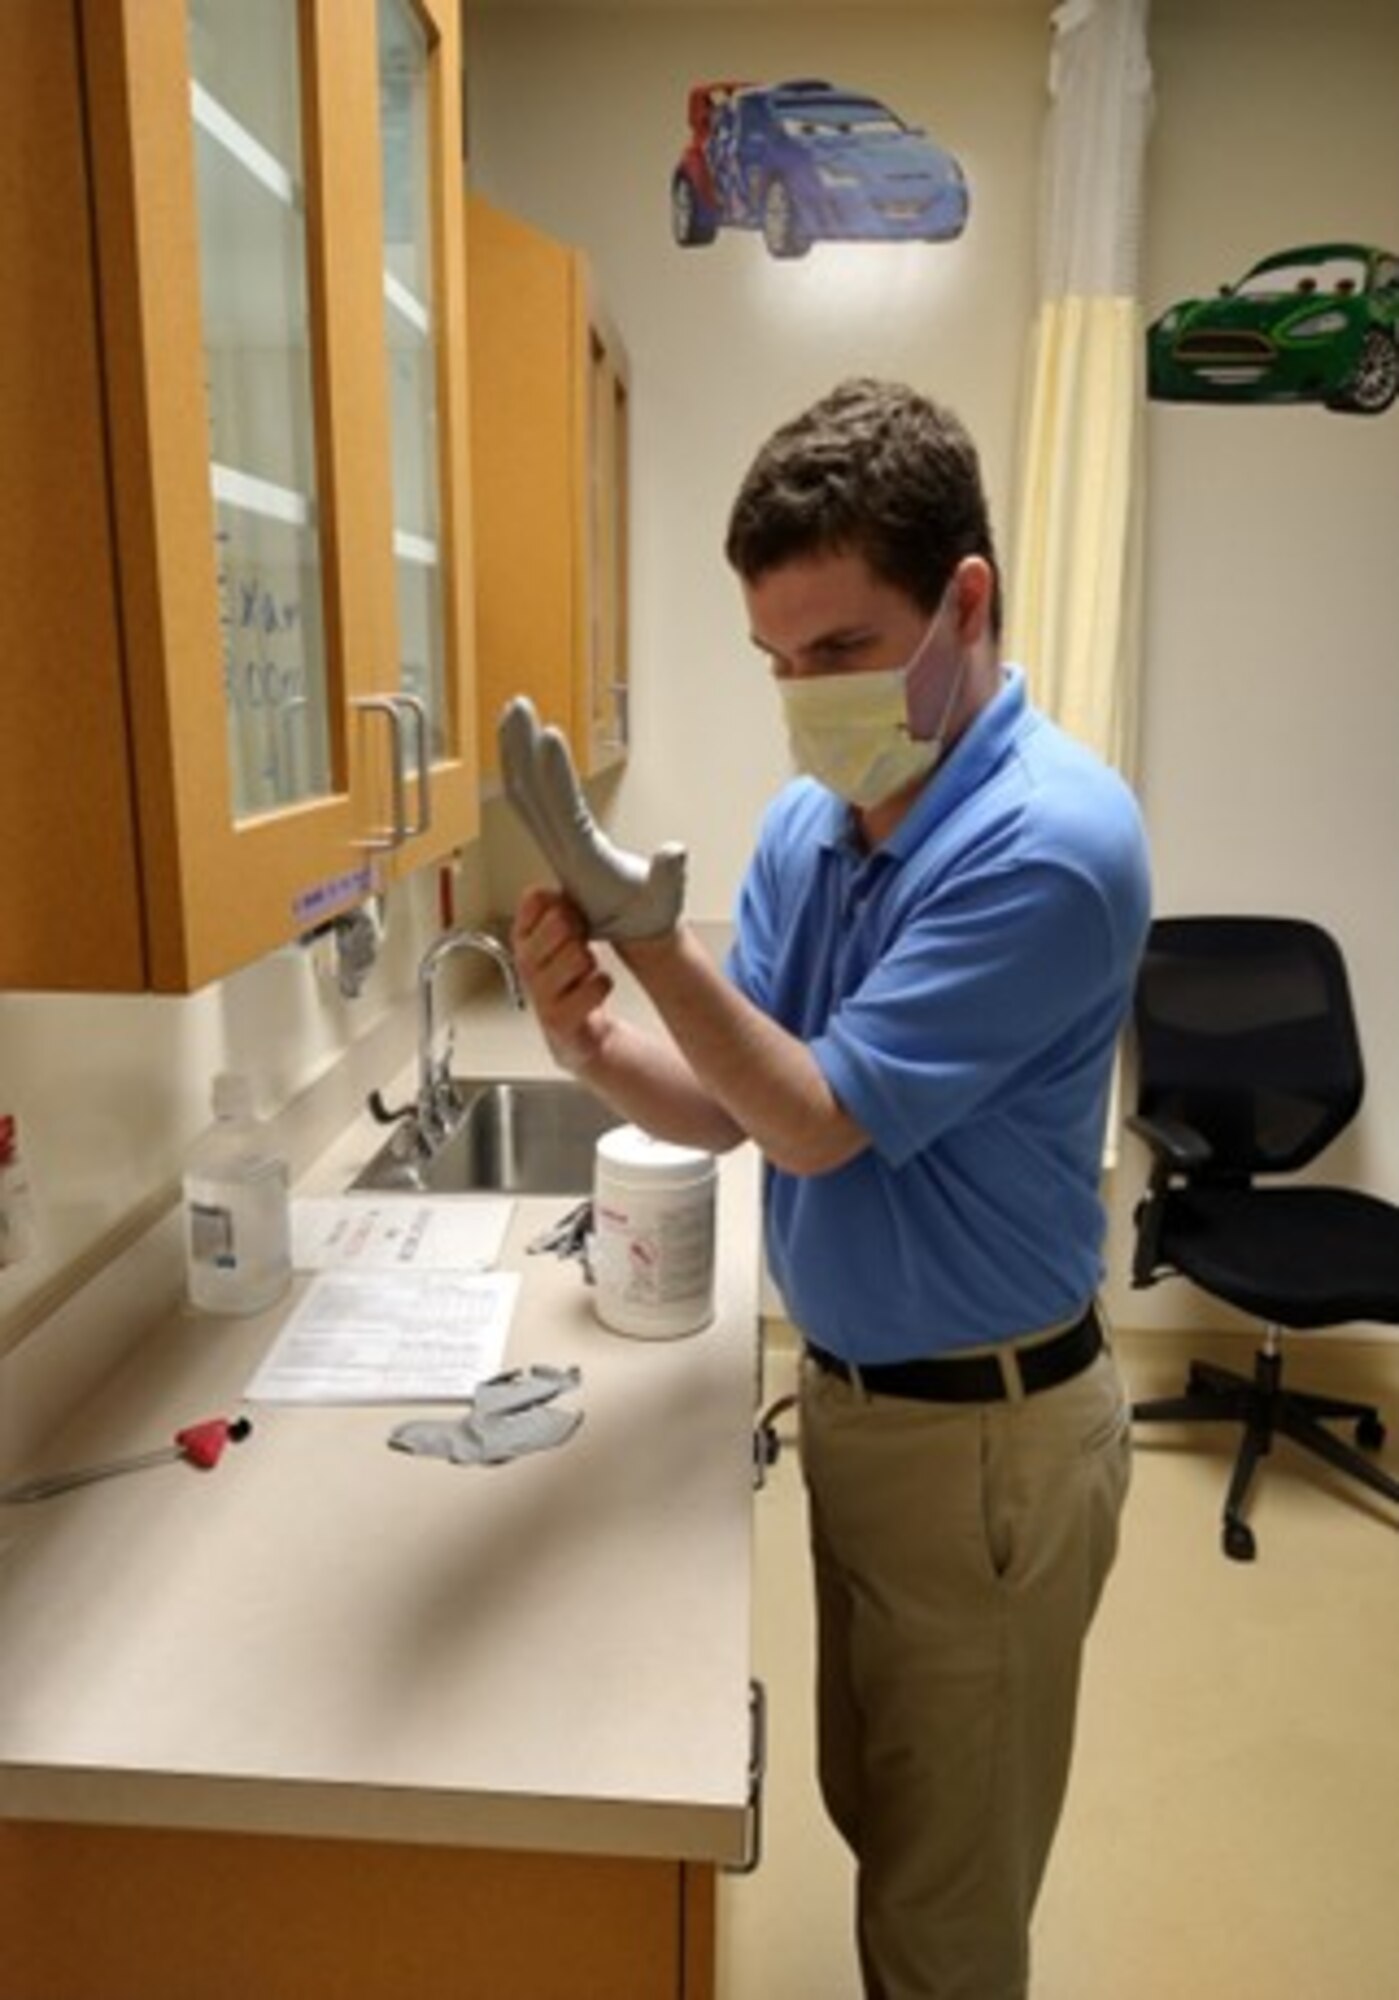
959	1554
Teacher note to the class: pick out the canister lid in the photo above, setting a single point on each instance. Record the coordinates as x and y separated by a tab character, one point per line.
636	1155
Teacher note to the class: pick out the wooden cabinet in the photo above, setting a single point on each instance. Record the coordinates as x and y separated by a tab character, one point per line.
110	1913
238	672
549	453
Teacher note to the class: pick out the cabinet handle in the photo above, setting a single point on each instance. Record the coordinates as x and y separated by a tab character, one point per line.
403	711
416	708
757	1772
386	839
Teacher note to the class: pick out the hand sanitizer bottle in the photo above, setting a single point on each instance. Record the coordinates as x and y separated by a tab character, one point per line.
237	1209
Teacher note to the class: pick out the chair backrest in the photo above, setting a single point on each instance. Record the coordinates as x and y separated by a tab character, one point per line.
1245	1030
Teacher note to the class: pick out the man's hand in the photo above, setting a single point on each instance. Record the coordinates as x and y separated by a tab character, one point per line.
559	969
620	895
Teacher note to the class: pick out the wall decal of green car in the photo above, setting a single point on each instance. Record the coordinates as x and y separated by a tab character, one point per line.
1313	325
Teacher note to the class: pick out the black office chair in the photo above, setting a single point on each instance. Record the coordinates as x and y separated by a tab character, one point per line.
1249	1065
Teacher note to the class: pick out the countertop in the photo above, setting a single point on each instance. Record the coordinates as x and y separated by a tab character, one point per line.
326	1637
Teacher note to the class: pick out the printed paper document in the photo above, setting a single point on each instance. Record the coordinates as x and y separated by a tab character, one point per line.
398	1232
386	1337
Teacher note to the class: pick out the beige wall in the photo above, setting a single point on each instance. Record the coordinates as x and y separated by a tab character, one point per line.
1272	672
576	119
1271	719
110	1092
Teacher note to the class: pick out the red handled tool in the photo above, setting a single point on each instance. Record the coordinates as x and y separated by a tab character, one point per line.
200	1445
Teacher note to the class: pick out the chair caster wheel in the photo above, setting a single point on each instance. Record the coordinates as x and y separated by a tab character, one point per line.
1370	1433
1239	1543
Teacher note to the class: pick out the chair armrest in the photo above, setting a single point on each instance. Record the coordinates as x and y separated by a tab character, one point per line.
1176	1148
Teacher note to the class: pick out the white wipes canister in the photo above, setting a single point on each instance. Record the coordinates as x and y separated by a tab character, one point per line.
653	1235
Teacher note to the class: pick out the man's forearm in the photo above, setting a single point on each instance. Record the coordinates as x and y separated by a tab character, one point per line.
650	1083
767	1081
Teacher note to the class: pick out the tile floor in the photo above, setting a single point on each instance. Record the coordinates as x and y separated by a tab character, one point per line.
1232	1829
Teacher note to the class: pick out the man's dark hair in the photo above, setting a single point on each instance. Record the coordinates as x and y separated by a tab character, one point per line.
875	470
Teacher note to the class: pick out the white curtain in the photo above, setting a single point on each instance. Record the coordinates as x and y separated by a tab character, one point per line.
1074	596
1074	599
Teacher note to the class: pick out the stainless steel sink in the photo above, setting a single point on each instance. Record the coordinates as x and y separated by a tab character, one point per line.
526	1136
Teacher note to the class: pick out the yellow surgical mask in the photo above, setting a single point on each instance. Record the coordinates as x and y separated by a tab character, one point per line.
851	731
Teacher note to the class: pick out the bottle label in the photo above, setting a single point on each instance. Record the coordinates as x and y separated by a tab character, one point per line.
211	1238
237	1238
653	1258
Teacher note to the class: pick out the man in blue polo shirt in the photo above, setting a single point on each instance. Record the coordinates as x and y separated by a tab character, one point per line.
936	943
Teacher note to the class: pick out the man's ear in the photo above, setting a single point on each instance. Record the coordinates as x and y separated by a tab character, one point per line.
975	583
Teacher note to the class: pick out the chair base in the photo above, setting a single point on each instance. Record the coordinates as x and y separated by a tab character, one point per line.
1267	1410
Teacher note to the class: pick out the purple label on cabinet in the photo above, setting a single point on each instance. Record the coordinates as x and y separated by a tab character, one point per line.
323	899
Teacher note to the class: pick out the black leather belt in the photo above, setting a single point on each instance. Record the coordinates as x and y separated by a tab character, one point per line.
976	1378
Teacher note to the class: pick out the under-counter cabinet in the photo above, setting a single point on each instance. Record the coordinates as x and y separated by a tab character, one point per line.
104	1913
237	633
341	1723
549	454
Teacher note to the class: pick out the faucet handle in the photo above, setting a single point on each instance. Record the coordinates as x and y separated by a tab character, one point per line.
387	1114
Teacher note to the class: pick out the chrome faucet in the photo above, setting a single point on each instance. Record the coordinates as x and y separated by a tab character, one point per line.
438	1105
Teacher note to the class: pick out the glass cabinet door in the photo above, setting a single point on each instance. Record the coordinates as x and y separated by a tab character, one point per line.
246	96
411	328
293	561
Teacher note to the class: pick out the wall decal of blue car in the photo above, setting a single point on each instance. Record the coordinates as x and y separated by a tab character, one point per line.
1318	324
808	161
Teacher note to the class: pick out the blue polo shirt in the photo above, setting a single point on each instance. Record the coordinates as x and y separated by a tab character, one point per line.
962	987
